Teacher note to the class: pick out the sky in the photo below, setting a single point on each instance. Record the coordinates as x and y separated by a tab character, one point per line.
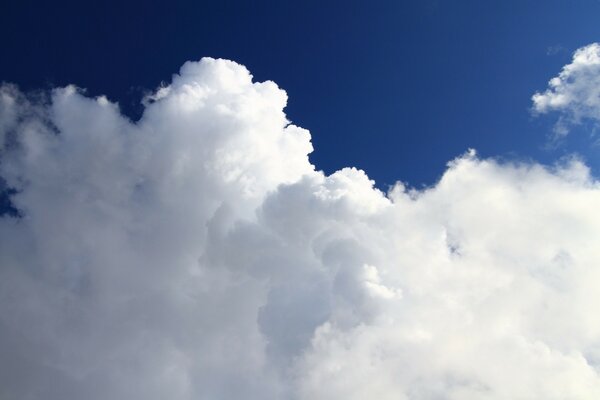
283	201
396	88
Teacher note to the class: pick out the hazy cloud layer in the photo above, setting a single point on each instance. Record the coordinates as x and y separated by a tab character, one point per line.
575	92
197	254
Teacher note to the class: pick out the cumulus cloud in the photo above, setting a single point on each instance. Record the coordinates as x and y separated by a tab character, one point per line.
197	253
575	92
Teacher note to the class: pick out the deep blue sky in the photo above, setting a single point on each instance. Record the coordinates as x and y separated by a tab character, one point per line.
397	88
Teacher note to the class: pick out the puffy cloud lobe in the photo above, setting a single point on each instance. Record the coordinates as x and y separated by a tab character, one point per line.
575	92
197	253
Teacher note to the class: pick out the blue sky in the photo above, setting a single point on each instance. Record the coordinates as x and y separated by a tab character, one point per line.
397	88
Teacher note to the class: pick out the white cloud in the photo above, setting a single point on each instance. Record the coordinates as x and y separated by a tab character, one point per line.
198	254
575	92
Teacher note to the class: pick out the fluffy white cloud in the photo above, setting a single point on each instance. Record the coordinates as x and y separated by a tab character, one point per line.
198	254
575	92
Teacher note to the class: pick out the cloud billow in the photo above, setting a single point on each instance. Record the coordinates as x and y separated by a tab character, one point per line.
575	92
197	253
